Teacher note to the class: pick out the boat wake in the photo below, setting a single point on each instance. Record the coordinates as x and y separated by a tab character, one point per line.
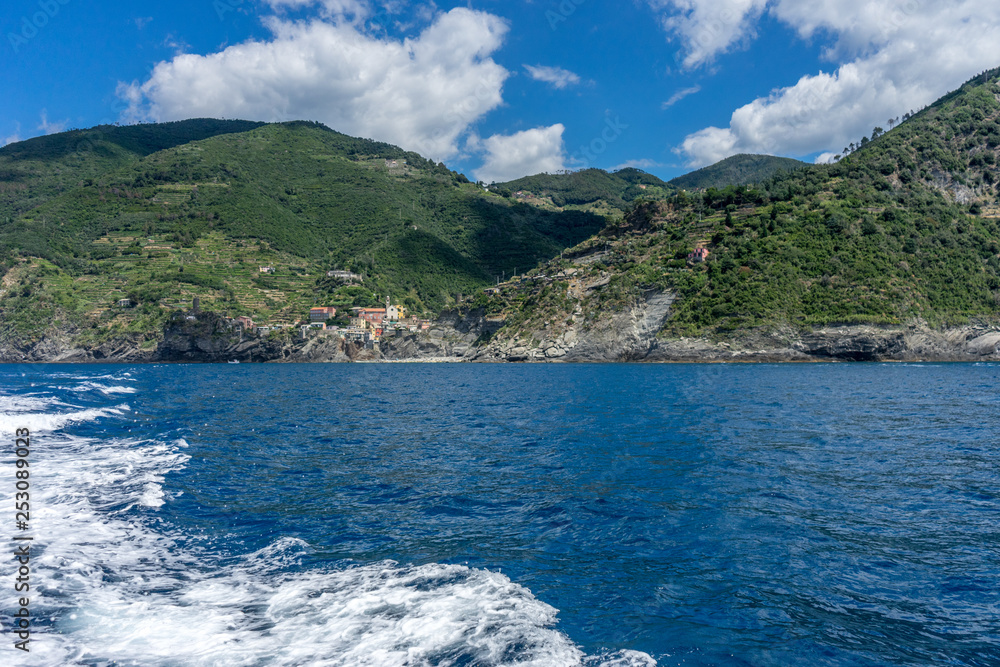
116	587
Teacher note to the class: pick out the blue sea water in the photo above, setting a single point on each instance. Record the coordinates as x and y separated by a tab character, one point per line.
482	515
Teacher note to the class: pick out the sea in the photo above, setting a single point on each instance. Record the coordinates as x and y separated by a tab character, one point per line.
485	515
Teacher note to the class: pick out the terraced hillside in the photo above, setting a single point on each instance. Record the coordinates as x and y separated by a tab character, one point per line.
84	228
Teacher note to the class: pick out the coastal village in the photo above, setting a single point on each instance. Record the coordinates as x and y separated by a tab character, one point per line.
367	326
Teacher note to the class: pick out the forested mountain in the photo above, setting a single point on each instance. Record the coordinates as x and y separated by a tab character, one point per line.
905	229
736	170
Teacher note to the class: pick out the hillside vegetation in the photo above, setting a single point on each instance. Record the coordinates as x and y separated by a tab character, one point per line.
160	213
905	229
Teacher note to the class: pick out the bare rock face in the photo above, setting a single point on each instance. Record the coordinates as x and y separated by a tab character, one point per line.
853	345
61	346
986	345
209	337
629	335
626	335
455	336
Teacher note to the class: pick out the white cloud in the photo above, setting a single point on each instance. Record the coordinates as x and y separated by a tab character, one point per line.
888	59
422	93
826	158
51	128
13	138
637	164
680	95
523	154
707	28
555	76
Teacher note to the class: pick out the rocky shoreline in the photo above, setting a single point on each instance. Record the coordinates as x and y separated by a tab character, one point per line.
471	337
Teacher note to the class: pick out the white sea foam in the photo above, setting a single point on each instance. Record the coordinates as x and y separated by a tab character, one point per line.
107	390
52	421
121	592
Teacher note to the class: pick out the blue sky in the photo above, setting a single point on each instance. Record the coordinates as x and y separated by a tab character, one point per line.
502	89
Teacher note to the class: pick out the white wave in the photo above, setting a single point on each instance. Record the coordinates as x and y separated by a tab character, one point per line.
120	592
52	421
107	390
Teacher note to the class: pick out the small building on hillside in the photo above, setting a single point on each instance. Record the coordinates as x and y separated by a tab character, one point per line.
375	316
699	255
346	276
243	323
124	303
267	269
322	314
395	313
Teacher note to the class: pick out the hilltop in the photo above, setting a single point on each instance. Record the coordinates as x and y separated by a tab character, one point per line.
591	190
901	235
736	170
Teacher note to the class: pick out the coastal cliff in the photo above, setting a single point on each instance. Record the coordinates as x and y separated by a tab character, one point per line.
630	335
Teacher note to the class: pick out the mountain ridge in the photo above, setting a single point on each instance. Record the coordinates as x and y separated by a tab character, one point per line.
741	169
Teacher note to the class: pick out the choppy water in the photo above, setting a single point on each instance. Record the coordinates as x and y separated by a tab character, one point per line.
508	515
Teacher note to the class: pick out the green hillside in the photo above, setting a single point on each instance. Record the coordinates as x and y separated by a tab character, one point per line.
160	213
593	190
905	229
35	170
736	170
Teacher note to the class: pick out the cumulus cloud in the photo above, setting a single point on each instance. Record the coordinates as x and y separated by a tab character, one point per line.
523	154
707	28
554	76
888	58
422	93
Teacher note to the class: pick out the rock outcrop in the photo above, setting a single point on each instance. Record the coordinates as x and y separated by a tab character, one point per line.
454	336
626	335
209	337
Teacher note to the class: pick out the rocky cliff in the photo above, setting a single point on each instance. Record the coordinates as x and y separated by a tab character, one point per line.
632	335
628	335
